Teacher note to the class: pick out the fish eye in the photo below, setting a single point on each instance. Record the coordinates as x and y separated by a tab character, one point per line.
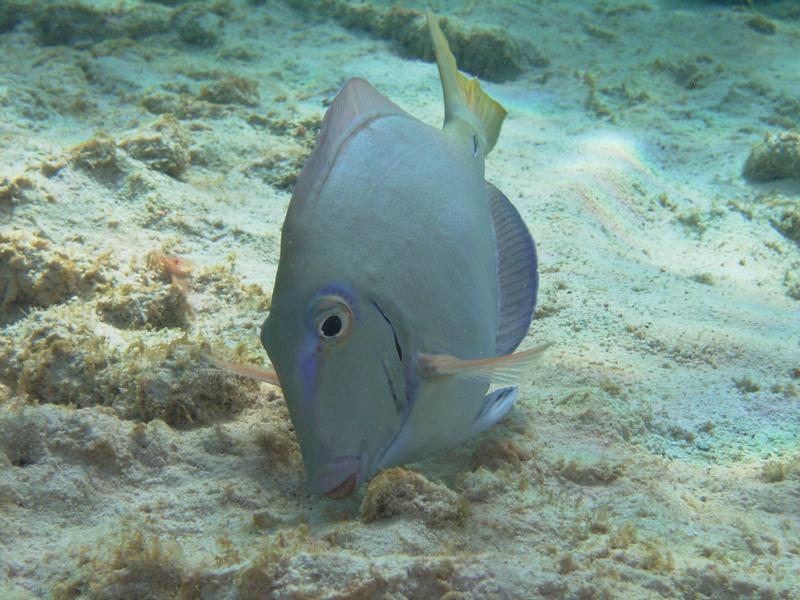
331	326
333	318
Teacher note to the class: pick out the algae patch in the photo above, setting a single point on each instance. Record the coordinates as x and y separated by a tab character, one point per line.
231	90
136	564
761	24
154	297
788	223
487	53
262	576
100	158
600	473
34	272
689	72
776	471
500	454
777	156
125	345
63	356
399	492
162	145
791	280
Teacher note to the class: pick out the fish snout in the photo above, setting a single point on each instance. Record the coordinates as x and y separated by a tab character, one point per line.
344	489
340	477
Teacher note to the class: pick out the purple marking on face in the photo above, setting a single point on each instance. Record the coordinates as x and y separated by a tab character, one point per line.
310	353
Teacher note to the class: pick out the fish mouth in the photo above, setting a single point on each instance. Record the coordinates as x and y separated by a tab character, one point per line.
344	489
340	476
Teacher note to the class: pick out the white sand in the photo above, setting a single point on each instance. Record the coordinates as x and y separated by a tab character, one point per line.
641	460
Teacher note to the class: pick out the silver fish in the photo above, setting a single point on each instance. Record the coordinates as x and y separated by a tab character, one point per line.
405	283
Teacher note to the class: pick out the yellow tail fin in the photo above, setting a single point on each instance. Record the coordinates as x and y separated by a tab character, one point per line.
466	105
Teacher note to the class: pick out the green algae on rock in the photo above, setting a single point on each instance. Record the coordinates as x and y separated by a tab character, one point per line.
101	158
153	305
111	338
689	72
11	14
788	223
280	166
262	575
81	23
67	355
791	280
761	24
35	273
777	156
63	24
231	90
776	471
134	563
197	26
487	53
400	492
499	454
599	473
12	192
162	145
62	356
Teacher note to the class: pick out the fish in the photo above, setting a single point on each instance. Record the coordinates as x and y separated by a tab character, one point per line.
405	283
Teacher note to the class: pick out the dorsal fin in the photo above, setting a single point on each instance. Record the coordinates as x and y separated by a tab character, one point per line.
516	272
356	104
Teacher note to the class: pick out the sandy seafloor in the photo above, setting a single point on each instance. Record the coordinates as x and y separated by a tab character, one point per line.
655	450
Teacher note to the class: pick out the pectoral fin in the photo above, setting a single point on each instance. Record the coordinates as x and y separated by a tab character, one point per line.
253	372
508	369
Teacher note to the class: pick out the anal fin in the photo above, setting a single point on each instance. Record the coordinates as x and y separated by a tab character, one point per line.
495	406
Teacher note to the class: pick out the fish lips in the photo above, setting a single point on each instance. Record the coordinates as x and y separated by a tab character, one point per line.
340	477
